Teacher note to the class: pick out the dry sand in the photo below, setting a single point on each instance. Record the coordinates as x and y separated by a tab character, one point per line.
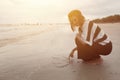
43	56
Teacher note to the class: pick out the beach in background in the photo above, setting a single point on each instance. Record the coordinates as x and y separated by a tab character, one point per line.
40	52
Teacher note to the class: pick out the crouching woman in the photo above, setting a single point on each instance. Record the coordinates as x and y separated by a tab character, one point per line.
91	41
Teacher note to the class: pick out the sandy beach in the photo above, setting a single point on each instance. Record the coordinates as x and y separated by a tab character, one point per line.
41	53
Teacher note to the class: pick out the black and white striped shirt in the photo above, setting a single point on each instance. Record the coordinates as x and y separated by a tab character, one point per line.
91	32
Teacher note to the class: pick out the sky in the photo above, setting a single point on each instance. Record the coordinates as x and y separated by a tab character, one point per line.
54	11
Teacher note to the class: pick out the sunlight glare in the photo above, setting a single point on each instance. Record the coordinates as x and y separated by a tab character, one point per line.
41	2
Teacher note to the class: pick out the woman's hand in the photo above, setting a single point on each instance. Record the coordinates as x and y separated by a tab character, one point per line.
72	53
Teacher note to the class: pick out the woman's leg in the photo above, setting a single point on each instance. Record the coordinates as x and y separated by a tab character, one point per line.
103	49
85	52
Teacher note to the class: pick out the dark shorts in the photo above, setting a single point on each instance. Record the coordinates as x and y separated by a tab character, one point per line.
87	52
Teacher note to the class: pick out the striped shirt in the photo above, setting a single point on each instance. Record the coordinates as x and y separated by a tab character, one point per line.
91	33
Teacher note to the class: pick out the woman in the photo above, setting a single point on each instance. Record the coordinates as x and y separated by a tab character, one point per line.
90	40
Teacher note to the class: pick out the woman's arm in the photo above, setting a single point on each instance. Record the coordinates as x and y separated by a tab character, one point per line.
72	52
78	36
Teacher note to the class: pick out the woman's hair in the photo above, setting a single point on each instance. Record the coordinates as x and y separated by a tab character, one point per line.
78	14
75	12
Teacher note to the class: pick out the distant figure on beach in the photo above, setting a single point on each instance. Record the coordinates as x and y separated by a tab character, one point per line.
91	41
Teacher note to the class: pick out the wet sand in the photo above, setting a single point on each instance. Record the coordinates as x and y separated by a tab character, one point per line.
44	56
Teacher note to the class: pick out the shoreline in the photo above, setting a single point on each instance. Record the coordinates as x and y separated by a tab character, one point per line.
45	57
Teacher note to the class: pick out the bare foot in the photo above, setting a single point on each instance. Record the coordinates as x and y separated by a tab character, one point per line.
95	61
